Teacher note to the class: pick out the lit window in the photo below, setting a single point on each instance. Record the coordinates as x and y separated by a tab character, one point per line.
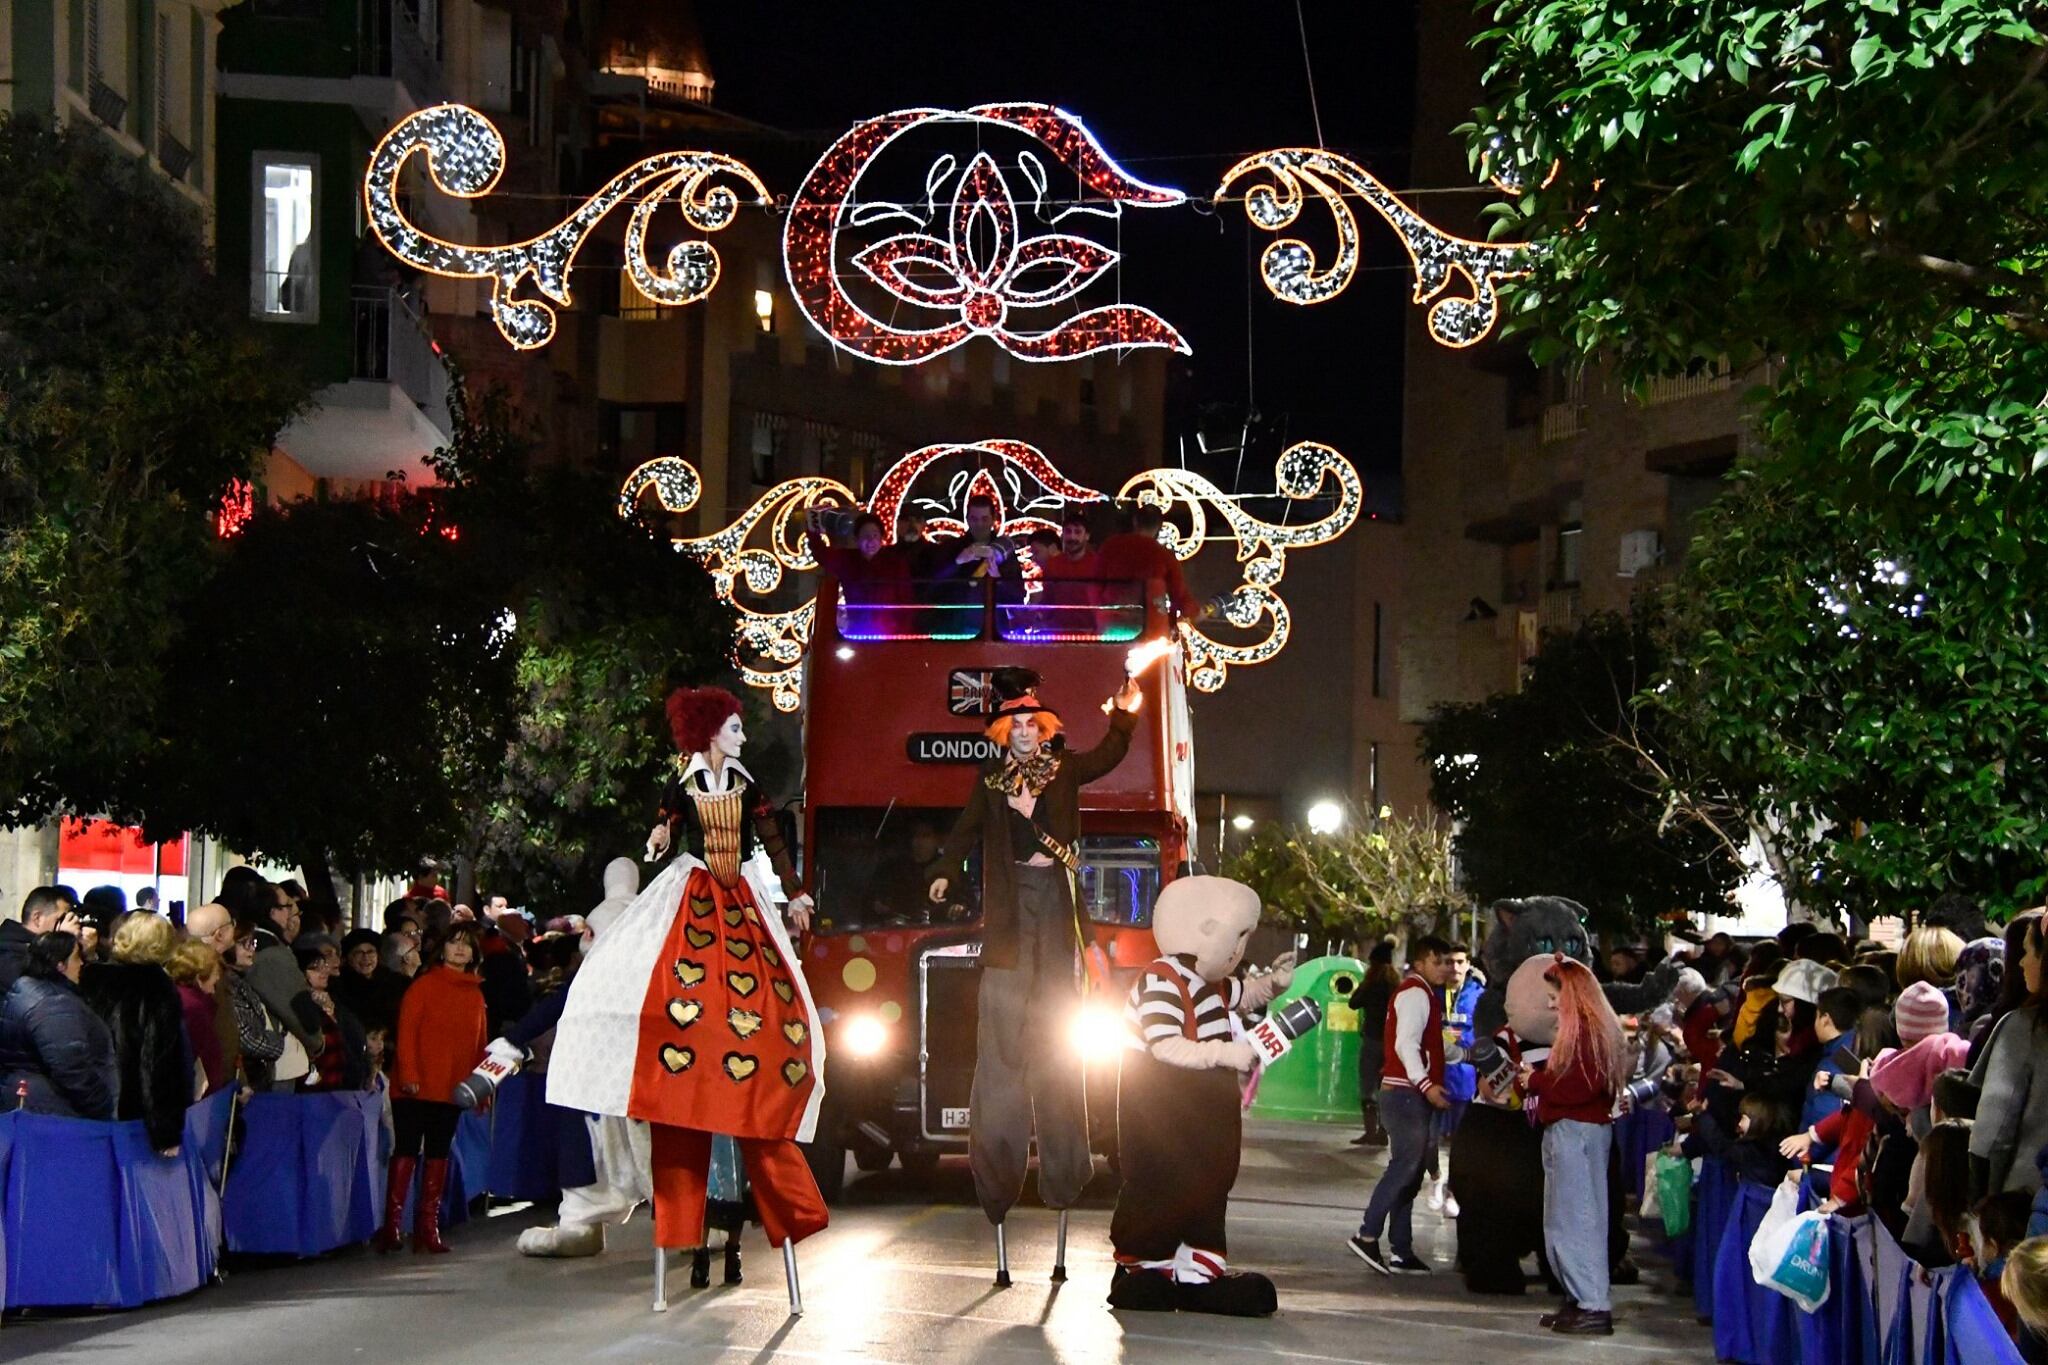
635	304
285	255
764	309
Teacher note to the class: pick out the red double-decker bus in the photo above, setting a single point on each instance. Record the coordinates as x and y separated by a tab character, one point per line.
898	698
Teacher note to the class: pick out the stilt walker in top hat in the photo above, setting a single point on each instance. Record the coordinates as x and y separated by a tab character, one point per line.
1025	813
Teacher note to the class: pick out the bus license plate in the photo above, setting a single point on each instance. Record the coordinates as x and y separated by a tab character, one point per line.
952	1118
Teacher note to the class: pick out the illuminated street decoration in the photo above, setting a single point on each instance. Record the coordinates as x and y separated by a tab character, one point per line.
1029	493
465	155
1290	269
968	257
1301	473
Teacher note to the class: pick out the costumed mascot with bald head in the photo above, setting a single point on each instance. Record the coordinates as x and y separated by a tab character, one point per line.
1180	1105
1496	1154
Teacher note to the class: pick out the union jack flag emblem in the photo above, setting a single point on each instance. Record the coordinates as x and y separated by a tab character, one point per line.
969	692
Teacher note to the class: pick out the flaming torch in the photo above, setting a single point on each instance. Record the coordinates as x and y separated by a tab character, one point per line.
1141	657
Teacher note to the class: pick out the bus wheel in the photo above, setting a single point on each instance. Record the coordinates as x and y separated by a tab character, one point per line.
920	1166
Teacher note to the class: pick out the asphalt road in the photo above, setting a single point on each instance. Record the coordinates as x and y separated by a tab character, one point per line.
903	1274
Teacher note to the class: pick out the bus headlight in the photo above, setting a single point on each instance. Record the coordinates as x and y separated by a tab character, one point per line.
863	1035
1097	1033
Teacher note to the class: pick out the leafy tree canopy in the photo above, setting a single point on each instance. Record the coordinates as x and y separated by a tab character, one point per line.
1869	687
133	391
1854	189
1552	796
1370	878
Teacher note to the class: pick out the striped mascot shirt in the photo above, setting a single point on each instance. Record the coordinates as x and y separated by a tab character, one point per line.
1171	1000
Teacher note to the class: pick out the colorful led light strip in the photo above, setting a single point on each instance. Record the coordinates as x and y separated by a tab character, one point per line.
465	155
1289	265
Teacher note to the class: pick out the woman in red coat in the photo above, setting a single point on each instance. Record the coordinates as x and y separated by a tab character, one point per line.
441	1038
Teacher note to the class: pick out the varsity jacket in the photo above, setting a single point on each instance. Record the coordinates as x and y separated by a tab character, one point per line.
1413	1040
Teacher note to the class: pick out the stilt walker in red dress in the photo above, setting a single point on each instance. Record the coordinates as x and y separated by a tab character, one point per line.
691	1011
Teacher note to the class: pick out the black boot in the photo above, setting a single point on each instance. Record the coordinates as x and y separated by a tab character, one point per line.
700	1267
1235	1293
732	1260
1142	1291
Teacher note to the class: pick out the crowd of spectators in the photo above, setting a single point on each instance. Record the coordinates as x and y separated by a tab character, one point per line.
109	1013
1909	1084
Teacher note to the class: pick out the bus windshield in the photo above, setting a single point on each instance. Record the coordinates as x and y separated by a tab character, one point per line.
870	869
1119	879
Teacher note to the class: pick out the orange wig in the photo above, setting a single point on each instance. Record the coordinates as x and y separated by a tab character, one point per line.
999	728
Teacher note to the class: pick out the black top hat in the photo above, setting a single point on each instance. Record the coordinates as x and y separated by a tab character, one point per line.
1017	689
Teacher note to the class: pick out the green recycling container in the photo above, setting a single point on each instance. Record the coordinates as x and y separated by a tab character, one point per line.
1318	1078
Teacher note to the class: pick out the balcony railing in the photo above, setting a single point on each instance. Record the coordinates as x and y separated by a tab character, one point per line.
1563	420
1676	389
397	38
392	345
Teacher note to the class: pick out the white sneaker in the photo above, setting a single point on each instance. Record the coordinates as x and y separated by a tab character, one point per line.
563	1240
1437	1195
1450	1206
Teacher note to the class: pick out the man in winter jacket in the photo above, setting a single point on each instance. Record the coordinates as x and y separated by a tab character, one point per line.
45	911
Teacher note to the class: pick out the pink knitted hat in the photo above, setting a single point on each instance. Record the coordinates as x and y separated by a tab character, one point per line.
1907	1078
1922	1012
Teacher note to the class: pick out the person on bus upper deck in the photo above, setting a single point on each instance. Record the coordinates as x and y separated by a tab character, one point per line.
916	558
1025	810
1072	575
1137	556
866	575
980	553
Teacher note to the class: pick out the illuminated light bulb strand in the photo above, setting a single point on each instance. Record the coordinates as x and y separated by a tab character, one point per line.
972	287
465	155
1289	266
769	646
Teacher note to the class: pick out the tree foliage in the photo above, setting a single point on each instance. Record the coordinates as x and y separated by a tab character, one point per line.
1366	880
1870	686
1552	796
133	391
1853	190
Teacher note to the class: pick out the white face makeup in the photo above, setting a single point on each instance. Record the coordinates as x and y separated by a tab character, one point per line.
729	740
1024	736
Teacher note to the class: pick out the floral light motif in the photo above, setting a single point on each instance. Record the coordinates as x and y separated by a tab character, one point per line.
970	258
1289	266
465	156
1029	493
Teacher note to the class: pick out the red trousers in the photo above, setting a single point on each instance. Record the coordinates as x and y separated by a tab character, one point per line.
785	1193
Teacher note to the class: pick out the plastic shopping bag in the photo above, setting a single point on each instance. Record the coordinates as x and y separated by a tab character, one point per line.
1650	1207
1674	1193
1789	1253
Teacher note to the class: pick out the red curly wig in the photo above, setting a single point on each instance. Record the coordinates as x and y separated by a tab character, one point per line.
696	713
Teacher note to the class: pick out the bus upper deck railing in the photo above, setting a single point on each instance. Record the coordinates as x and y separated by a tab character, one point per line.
1010	610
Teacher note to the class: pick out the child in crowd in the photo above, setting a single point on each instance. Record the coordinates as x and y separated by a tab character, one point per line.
1995	1227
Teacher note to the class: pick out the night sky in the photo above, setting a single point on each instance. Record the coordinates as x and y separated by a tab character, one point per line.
1176	92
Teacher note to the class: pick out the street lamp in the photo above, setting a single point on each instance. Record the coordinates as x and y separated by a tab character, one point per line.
1240	822
1325	817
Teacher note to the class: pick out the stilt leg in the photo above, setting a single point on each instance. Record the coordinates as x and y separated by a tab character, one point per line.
660	1280
796	1293
1002	1259
1059	1255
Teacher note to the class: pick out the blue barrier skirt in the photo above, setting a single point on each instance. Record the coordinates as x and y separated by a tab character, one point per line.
309	1176
1752	1325
1844	1330
94	1218
1637	1134
1971	1331
537	1149
1716	1190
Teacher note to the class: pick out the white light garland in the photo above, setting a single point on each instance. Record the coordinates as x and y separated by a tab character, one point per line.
465	155
769	646
1289	267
